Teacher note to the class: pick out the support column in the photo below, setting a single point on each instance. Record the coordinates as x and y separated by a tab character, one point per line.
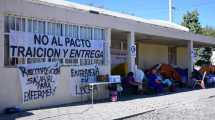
108	50
190	59
131	51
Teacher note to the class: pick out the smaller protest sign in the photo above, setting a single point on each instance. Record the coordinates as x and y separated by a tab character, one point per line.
39	80
80	76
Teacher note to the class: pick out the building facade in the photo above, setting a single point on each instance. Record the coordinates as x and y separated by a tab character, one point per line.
155	42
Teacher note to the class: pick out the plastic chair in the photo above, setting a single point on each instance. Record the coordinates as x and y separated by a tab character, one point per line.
200	82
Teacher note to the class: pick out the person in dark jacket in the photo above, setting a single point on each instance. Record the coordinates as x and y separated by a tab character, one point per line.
130	84
155	81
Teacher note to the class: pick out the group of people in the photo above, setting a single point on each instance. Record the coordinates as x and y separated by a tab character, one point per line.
155	81
207	81
162	77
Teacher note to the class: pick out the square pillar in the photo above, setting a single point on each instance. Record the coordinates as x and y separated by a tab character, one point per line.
107	57
131	51
190	57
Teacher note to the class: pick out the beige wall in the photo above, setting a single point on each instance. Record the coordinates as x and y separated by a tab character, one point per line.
10	88
182	59
10	92
115	44
151	54
1	41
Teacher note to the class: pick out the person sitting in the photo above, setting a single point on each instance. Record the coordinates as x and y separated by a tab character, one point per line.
197	76
139	77
166	81
155	81
130	84
210	78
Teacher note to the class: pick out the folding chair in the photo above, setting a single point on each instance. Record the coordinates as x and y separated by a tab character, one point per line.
200	82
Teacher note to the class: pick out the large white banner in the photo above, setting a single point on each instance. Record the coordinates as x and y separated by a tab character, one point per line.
80	75
39	80
68	50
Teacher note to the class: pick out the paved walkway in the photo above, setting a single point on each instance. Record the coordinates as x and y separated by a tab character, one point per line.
113	110
202	109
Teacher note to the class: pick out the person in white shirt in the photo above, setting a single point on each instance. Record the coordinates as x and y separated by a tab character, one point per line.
139	76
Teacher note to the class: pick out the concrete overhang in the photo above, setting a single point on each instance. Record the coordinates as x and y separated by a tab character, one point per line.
198	40
159	32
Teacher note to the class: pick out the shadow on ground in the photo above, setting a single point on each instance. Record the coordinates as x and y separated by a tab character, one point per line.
121	98
15	116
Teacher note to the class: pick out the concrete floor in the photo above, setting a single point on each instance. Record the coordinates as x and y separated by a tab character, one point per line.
196	104
200	109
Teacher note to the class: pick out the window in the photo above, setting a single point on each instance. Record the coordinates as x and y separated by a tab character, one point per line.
70	31
12	22
6	24
54	29
86	33
30	24
15	23
23	24
6	49
41	26
66	30
103	34
59	30
73	31
49	28
98	34
18	24
35	26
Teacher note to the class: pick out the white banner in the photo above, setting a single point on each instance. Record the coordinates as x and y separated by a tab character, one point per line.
81	75
68	50
39	80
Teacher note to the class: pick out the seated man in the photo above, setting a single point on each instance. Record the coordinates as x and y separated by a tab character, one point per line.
130	84
139	77
155	81
197	76
210	78
168	82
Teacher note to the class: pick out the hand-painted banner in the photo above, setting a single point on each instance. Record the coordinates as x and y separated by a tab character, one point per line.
80	75
69	50
39	80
